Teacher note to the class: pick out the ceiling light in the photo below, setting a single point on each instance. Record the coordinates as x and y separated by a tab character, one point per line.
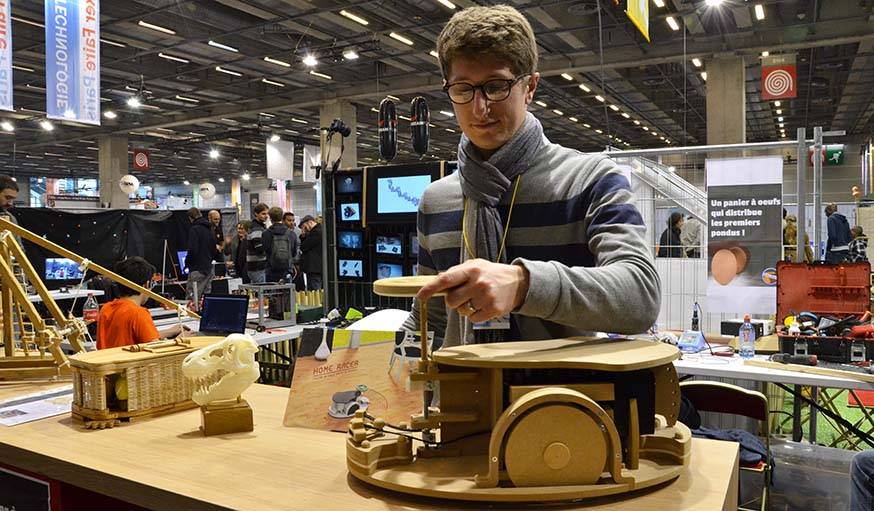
174	59
584	88
399	37
779	119
274	138
277	62
654	134
600	98
558	112
765	53
246	176
446	3
213	153
321	75
222	46
713	3
760	12
567	77
310	60
265	114
783	134
109	114
186	98
598	131
46	125
696	62
134	102
704	75
112	43
354	17
221	180
447	113
156	27
186	182
637	122
350	54
27	21
776	103
672	23
625	114
434	54
301	121
450	130
22	68
587	125
645	128
541	103
659	3
614	108
220	69
393	98
782	125
7	126
779	111
573	119
271	82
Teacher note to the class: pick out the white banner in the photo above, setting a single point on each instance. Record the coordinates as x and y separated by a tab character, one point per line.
5	57
280	159
745	233
312	158
73	60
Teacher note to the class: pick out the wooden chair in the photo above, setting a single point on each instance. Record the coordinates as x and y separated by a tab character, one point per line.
710	396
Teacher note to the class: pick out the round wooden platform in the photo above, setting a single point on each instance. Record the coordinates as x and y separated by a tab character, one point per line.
403	287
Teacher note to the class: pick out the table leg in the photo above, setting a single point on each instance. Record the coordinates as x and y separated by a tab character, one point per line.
796	415
814	395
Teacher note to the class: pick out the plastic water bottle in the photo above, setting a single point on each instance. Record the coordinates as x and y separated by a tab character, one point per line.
91	309
747	337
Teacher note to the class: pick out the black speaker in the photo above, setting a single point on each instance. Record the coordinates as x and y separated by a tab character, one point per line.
420	117
388	129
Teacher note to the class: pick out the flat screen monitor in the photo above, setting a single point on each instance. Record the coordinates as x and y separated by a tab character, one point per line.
224	314
349	183
182	255
350	269
60	268
350	240
350	212
389	244
400	194
385	269
414	245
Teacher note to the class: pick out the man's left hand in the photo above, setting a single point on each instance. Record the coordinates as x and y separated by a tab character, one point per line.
479	289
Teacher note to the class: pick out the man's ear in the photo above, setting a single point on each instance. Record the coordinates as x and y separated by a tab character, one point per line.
531	84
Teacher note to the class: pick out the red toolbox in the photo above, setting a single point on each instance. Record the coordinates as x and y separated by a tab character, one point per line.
835	291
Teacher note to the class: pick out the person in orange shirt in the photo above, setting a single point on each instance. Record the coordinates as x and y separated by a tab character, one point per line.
124	321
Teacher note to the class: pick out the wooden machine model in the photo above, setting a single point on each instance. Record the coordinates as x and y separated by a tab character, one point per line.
536	421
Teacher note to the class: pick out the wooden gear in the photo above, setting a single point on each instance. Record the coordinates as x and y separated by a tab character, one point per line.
551	420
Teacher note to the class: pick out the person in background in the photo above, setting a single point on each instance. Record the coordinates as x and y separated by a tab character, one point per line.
124	321
256	259
215	219
790	241
690	237
838	246
280	246
669	243
288	220
201	252
311	252
8	194
236	251
859	246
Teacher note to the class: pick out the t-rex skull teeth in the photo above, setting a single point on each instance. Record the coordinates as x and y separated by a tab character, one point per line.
222	370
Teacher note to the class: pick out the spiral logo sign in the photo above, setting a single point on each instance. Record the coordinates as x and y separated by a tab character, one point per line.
141	159
778	82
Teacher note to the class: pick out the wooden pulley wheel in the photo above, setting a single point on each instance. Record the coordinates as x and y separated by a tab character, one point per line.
555	445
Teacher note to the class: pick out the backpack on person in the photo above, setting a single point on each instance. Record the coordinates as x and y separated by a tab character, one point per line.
280	256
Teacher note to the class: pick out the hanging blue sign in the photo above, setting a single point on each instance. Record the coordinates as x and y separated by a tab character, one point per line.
73	60
5	56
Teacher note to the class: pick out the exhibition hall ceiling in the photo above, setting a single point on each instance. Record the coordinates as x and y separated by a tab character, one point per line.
212	67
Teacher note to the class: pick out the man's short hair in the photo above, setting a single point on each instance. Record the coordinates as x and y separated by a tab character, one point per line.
260	207
831	208
287	214
7	183
194	213
275	214
246	225
307	219
136	270
498	31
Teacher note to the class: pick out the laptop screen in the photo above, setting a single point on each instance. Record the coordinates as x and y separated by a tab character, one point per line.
224	314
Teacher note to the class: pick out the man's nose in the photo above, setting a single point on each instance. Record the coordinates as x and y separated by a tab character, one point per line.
480	103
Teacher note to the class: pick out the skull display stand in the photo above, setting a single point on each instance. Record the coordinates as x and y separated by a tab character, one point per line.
552	420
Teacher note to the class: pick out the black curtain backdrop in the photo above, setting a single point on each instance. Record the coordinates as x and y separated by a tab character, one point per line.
107	237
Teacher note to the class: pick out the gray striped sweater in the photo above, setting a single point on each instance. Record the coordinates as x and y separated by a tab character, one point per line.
576	230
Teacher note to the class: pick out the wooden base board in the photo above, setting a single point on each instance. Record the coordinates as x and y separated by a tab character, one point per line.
220	419
837	373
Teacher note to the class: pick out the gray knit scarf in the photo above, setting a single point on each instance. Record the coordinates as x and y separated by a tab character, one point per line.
483	184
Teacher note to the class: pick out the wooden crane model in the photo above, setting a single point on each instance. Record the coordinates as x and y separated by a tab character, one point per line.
40	355
552	420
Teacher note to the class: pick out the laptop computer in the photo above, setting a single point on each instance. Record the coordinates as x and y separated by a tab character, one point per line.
223	314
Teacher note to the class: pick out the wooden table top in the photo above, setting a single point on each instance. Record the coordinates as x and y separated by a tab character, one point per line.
165	463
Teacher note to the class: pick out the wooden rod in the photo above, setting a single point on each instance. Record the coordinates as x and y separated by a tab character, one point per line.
423	329
63	252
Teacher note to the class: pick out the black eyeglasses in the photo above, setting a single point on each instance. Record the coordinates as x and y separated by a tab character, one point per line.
494	90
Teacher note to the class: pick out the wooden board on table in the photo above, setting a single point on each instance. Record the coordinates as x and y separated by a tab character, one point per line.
822	371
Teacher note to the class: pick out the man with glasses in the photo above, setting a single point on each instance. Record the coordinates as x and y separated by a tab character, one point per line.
532	240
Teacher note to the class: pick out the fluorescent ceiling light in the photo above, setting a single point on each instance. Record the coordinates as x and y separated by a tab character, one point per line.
350	54
393	98
222	46
113	43
637	122
625	114
301	121
134	102
704	75
587	125
598	131
213	153
246	176
782	125
760	12
221	180
585	88
220	69
186	182
447	113
558	112
696	62
779	119
766	53
174	59
450	130
156	28
321	75
275	138
659	3
265	114
713	3
22	68
567	77
614	108
600	98
776	103
27	21
672	23
310	60
354	17
573	119
109	114
779	111
46	125
399	37
186	98
446	3
434	54
277	62
645	128
7	126
271	82
541	103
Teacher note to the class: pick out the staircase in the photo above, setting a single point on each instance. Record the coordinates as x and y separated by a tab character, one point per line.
670	186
